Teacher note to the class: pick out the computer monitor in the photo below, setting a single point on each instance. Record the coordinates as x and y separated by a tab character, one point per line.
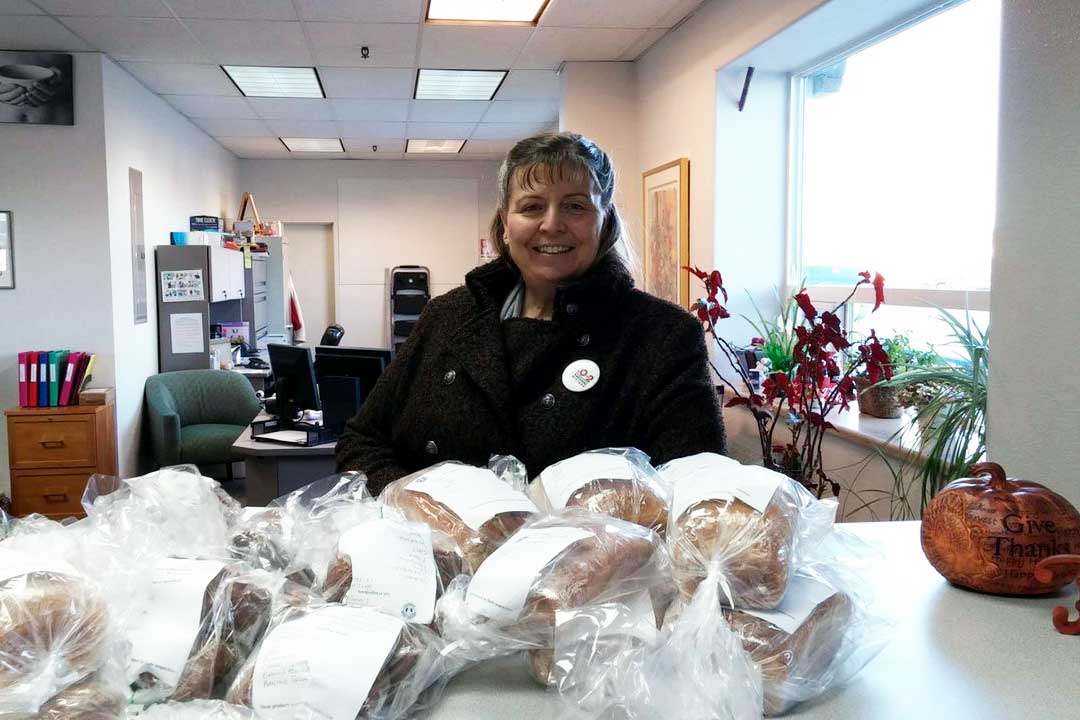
364	364
294	380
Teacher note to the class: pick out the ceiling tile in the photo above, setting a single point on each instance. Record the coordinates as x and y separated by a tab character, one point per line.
643	43
362	129
522	111
509	131
182	79
362	146
380	156
233	42
487	147
549	46
18	7
374	11
153	39
472	47
103	8
439	131
234	9
574	13
33	32
233	127
389	45
292	108
530	85
447	110
210	106
351	109
304	128
381	83
677	11
254	146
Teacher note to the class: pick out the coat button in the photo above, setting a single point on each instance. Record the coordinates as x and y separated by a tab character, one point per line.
571	308
449	377
431	448
548	401
583	341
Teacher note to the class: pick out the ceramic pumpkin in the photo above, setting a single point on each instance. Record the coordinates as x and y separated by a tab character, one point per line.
987	532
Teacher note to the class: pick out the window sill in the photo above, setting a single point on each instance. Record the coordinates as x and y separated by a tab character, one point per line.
897	437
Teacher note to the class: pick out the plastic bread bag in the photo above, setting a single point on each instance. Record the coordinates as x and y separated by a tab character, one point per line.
476	509
750	520
560	561
336	662
102	695
610	662
618	482
56	630
197	710
392	565
200	620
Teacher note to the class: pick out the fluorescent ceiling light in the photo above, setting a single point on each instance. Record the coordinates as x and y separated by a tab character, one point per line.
327	145
522	11
458	84
433	146
256	81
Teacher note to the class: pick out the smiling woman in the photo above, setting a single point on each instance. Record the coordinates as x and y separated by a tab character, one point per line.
548	350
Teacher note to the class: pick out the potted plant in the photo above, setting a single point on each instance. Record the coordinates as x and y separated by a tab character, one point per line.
885	400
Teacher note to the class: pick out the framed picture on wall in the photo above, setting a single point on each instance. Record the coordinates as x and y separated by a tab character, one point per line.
37	88
666	223
7	252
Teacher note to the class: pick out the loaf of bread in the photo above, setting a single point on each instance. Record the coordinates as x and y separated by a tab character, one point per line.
93	698
264	540
618	482
196	710
471	506
743	520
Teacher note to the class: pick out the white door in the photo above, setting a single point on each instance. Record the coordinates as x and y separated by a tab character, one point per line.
311	261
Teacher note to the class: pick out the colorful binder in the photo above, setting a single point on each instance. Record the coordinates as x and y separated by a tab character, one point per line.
68	385
43	379
87	374
24	378
31	381
56	364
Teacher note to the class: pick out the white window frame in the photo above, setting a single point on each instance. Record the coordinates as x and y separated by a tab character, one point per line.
975	300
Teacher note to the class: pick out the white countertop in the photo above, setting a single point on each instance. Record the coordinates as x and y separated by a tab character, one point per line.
954	655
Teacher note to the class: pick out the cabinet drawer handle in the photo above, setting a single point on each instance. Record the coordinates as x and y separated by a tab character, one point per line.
52	443
56	497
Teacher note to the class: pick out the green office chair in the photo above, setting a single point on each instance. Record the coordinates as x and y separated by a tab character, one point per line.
196	415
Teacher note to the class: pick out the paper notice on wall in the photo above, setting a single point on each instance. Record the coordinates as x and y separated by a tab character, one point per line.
474	494
802	596
16	562
181	286
393	568
501	585
162	635
563	479
754	486
187	333
322	664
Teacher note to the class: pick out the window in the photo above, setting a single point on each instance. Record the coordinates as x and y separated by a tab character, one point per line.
894	169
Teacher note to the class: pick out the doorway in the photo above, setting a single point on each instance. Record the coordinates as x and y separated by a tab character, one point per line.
311	262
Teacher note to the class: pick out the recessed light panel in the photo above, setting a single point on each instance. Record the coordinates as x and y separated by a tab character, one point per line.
527	11
458	84
434	146
256	81
326	145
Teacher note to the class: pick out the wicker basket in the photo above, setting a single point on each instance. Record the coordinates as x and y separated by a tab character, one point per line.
882	402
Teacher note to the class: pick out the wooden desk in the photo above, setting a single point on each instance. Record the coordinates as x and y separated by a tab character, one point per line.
274	469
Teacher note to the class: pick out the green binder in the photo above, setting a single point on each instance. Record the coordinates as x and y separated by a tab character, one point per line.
57	363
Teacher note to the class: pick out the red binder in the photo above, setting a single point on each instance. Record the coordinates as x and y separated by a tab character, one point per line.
32	379
22	378
69	377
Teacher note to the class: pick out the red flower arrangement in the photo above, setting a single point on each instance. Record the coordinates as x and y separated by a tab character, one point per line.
814	387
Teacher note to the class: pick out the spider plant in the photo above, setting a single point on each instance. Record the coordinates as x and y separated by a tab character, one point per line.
954	416
779	334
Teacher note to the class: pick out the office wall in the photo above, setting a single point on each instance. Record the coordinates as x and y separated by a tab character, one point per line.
185	173
51	177
1034	382
308	191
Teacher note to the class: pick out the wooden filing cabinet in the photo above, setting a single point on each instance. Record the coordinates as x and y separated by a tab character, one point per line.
53	451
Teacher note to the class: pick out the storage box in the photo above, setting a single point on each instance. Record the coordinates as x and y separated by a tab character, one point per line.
206	222
97	396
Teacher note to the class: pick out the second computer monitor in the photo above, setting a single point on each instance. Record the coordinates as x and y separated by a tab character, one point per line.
294	380
364	364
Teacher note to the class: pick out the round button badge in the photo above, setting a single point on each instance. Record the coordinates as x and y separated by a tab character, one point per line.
580	375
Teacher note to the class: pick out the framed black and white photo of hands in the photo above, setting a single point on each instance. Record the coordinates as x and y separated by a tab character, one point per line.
7	252
37	88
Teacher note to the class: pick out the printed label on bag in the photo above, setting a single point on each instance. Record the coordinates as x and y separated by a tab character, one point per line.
676	470
162	635
393	568
564	478
755	486
474	494
17	562
322	664
803	595
501	585
580	375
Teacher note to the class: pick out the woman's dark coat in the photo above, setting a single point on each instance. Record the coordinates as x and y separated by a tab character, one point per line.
449	394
